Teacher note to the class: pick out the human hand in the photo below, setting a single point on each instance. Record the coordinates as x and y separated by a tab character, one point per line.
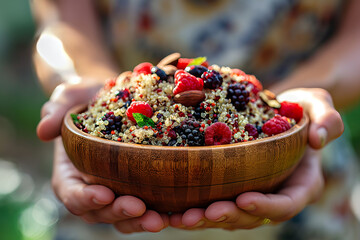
97	204
253	209
93	203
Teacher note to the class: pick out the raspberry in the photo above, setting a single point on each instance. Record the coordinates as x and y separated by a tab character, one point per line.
251	79
276	125
144	68
291	110
185	81
139	107
110	83
217	133
238	95
196	70
212	79
252	130
183	62
238	72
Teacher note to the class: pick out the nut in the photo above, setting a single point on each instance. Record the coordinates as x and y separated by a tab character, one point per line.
169	60
269	98
189	98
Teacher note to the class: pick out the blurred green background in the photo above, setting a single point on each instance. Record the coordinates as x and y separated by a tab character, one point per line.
28	209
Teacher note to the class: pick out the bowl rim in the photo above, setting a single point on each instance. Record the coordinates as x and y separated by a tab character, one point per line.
69	124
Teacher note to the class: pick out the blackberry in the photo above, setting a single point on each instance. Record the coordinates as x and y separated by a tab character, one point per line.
114	123
189	131
161	73
123	94
212	79
196	70
198	111
238	95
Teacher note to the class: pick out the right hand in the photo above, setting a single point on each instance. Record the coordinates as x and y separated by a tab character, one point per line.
93	203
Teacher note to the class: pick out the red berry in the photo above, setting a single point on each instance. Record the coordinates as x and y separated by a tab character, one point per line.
217	134
139	107
252	131
110	83
144	68
291	110
255	82
184	81
276	125
183	62
238	72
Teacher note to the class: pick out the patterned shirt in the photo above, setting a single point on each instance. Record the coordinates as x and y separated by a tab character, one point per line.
263	37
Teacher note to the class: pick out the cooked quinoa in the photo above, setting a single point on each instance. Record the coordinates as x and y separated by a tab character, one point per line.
169	117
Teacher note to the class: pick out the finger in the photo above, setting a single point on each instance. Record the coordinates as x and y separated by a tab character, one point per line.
63	98
303	187
81	198
326	123
151	221
194	217
70	188
228	212
50	125
123	208
176	220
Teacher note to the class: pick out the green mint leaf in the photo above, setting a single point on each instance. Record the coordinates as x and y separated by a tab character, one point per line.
143	120
197	61
74	118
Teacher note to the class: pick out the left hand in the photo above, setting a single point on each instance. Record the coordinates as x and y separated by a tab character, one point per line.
253	209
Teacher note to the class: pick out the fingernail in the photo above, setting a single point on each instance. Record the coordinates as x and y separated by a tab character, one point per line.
221	219
322	135
127	214
199	224
97	201
143	228
250	207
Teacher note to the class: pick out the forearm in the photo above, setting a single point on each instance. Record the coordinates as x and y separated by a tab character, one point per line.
335	67
69	47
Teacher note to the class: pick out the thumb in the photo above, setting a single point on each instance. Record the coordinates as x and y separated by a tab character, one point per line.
52	114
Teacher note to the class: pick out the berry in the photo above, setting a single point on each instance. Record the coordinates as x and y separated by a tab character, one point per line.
238	95
139	107
185	81
184	62
144	68
291	110
161	73
252	130
251	79
212	79
123	94
189	131
197	112
217	134
238	72
110	83
114	123
196	70
276	125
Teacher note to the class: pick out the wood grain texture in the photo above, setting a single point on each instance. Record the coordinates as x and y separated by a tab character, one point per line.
174	179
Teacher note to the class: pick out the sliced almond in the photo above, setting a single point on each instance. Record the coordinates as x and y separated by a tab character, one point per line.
169	70
169	60
189	98
270	100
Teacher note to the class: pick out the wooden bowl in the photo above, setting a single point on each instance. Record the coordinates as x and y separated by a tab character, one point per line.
174	179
